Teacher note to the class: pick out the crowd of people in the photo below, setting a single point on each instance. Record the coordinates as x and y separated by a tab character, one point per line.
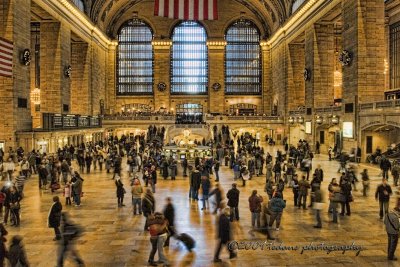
141	159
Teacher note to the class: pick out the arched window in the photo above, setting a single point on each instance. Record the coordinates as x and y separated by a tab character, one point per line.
135	59
80	4
242	59
296	5
189	59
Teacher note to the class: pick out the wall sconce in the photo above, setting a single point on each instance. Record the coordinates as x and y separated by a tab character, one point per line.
335	119
26	57
319	120
67	71
300	119
291	120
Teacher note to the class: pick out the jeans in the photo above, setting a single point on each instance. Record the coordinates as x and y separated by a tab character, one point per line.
160	247
318	217
217	176
65	177
234	213
153	241
57	232
347	206
334	211
385	174
195	194
77	199
383	208
137	202
255	217
392	245
205	199
304	198
275	216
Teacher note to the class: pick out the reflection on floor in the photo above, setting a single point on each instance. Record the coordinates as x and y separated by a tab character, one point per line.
114	237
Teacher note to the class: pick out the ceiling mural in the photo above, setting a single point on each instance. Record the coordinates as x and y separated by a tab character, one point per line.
270	13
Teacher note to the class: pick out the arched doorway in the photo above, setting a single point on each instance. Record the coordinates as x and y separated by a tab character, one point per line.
189	113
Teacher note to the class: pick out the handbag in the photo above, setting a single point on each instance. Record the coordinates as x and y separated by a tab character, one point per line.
351	198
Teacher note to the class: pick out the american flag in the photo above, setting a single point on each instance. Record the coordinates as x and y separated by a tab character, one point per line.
187	9
6	57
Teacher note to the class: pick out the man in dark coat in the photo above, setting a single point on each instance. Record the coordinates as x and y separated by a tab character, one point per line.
383	193
195	181
224	235
55	217
169	214
385	167
233	202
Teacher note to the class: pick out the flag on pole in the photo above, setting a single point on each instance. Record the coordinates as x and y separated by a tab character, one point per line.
6	57
186	9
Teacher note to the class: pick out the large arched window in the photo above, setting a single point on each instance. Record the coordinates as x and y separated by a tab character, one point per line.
80	4
242	59
189	59
135	59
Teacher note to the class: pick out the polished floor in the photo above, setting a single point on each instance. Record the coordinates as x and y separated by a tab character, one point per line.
114	237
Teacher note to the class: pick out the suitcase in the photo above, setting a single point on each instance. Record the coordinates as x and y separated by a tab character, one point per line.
187	240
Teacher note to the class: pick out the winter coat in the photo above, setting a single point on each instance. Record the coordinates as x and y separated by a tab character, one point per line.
255	203
55	215
195	179
224	229
77	186
205	185
277	204
169	214
148	204
120	188
383	193
233	197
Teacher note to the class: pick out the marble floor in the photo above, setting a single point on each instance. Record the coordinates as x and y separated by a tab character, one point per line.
114	237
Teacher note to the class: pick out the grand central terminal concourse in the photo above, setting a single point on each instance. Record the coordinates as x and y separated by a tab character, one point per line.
199	133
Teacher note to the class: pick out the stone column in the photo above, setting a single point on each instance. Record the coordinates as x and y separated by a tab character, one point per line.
216	74
266	79
98	76
162	49
319	60
80	80
296	84
110	97
15	19
55	52
363	36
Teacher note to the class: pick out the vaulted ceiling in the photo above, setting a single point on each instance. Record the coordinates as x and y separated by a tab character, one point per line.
107	13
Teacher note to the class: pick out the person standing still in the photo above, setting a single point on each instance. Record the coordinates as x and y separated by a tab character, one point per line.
54	218
233	202
383	193
255	208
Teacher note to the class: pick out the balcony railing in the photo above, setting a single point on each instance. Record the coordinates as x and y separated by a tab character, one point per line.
380	105
207	118
52	121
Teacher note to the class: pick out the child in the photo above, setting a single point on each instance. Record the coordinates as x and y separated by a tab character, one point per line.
67	193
